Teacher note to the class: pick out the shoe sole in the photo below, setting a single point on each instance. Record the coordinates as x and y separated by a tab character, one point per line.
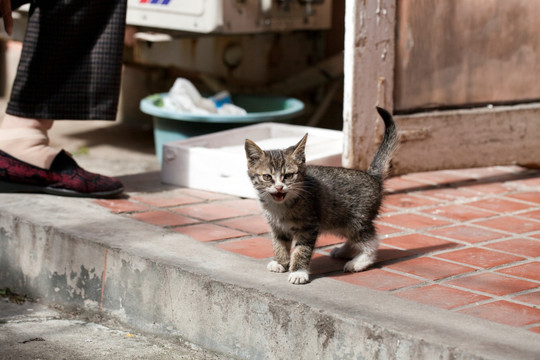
7	187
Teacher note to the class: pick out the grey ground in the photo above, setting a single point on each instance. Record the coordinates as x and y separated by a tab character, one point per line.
34	331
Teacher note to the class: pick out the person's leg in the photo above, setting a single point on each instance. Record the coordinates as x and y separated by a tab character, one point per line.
69	69
27	140
71	61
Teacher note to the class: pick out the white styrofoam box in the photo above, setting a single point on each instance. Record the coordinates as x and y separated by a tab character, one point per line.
217	162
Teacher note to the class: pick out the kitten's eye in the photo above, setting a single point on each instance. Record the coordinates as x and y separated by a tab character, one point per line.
267	177
288	176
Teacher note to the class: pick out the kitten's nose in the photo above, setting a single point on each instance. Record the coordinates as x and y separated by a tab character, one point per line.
279	187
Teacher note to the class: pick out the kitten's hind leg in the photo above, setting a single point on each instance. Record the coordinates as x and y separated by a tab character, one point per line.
361	261
345	251
363	253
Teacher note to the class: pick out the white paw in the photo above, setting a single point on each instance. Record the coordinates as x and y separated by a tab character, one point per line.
299	277
274	266
357	264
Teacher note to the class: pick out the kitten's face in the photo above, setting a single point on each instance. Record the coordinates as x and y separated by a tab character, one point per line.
276	174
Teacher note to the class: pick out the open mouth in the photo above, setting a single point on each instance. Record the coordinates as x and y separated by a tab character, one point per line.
279	196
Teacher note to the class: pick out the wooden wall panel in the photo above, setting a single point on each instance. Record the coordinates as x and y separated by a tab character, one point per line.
478	137
457	53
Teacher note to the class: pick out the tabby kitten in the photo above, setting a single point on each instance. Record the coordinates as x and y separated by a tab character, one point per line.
301	201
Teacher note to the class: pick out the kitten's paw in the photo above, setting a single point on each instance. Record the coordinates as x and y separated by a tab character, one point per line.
356	265
274	266
359	263
299	277
352	266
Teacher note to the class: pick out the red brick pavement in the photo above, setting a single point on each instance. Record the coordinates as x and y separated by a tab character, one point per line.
460	240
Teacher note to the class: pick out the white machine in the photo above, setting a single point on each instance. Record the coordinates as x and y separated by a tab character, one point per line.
230	16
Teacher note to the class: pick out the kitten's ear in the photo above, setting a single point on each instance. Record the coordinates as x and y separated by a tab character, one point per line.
253	152
299	150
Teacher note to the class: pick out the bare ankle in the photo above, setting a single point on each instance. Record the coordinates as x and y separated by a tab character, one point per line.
27	140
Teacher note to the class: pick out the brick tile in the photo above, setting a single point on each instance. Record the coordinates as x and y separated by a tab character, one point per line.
258	248
482	258
535	329
172	200
163	218
459	212
205	195
400	184
505	312
450	194
406	201
492	283
467	233
524	247
377	279
482	173
441	296
209	232
328	239
413	221
429	268
251	205
438	177
529	271
120	205
253	224
515	170
532	197
511	224
500	206
383	230
535	214
492	188
532	182
323	264
419	243
386	253
211	211
530	298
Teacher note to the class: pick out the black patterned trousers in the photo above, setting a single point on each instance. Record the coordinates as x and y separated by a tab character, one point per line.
71	60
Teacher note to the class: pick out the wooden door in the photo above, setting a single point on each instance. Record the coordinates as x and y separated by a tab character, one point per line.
461	76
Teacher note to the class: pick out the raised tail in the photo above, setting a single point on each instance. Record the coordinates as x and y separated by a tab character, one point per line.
381	162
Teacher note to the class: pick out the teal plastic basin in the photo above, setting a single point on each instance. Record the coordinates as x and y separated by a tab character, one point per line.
172	126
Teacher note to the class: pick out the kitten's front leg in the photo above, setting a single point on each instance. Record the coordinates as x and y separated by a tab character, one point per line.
282	251
301	257
300	260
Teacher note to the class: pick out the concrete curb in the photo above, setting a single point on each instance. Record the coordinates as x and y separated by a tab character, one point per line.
72	252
